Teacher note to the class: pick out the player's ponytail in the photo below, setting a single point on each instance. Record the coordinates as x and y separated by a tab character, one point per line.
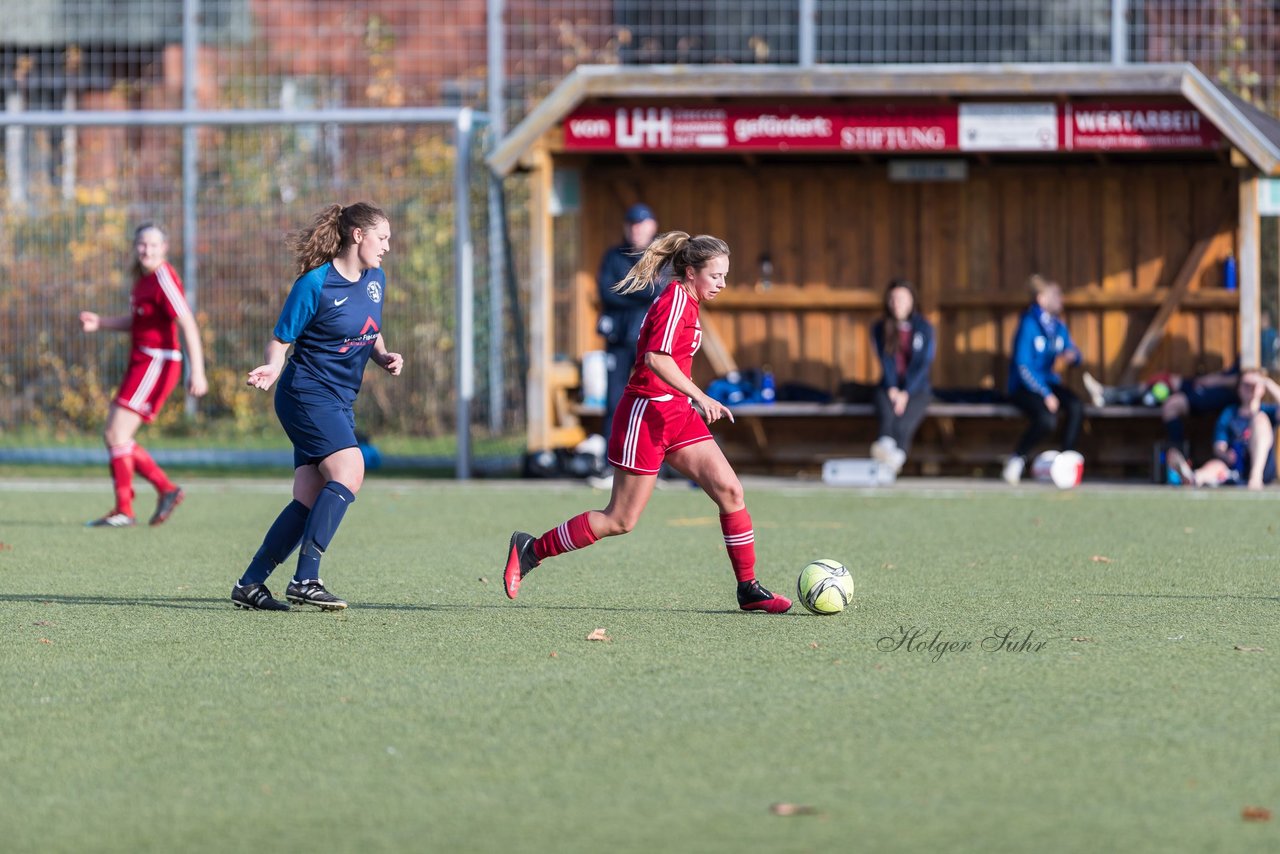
330	232
677	250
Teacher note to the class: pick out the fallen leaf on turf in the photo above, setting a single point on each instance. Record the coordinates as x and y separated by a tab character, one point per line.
45	640
1248	648
1082	639
813	645
4	547
1100	559
1255	814
43	623
1187	530
484	580
554	654
792	809
887	566
598	635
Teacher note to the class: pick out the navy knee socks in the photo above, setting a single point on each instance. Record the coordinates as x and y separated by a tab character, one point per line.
282	538
324	519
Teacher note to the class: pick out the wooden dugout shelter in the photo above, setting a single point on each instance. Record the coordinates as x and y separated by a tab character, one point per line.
1131	185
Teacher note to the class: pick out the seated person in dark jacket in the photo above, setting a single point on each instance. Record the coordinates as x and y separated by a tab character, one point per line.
1034	388
904	342
1194	395
622	314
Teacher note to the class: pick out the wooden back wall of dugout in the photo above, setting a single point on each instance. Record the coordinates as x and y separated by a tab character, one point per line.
1115	235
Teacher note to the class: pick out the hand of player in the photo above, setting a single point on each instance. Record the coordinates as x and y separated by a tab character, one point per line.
263	376
197	385
1051	403
392	363
90	322
711	409
900	402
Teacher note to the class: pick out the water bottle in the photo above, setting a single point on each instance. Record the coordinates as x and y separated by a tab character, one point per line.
768	391
1230	275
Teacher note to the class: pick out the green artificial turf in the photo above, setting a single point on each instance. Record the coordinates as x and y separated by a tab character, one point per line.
141	712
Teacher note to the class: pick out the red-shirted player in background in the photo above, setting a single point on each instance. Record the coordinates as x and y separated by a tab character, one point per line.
155	366
663	415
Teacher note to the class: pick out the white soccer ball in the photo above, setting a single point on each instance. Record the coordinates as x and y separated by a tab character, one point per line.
825	587
1066	470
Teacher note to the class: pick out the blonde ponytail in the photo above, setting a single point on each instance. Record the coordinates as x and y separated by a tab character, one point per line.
677	249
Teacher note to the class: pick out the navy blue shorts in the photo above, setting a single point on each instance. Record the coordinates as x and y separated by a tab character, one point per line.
318	424
1213	399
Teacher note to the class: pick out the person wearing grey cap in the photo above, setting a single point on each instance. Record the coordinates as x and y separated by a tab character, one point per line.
622	314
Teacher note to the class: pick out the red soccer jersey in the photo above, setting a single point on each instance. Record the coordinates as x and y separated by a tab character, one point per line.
156	302
670	326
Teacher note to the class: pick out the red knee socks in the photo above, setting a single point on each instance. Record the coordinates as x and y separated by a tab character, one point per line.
566	537
740	541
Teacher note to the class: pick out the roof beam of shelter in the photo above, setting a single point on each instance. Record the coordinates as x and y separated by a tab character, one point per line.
232	118
1019	81
1262	151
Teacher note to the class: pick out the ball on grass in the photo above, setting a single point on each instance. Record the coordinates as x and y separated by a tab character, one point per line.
825	587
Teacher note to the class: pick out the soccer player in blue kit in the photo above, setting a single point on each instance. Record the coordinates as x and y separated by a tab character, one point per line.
333	318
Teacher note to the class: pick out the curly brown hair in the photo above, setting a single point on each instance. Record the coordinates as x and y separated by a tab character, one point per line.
331	232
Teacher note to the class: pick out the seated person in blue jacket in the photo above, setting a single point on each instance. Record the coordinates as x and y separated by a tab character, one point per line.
1244	440
1042	339
904	342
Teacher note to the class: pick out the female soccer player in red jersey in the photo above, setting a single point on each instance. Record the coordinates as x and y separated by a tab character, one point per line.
663	415
155	366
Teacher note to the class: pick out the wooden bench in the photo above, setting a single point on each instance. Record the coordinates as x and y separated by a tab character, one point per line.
788	435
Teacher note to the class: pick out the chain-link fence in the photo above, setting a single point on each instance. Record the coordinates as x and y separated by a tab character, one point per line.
70	197
257	183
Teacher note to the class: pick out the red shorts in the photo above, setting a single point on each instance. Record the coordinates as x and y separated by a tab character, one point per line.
645	430
148	381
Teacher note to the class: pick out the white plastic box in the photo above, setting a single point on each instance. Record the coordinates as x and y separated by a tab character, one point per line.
857	472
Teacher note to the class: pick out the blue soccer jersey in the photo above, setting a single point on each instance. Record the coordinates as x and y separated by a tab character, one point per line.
332	324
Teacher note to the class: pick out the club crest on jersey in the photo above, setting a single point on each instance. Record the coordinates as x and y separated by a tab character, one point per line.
375	291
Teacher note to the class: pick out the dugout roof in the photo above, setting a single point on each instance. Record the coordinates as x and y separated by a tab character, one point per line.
1248	130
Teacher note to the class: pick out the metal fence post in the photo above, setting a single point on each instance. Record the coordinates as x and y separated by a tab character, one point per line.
808	33
1119	32
497	58
465	296
190	172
